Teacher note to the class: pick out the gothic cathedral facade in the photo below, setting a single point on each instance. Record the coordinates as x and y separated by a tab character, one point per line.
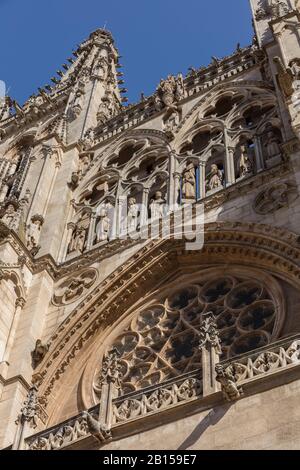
117	325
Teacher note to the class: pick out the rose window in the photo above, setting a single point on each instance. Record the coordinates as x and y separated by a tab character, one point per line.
162	341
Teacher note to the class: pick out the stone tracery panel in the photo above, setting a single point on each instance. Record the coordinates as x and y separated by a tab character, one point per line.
162	340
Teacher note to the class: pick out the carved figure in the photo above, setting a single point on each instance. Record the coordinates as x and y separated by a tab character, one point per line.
157	206
214	178
245	165
103	226
189	183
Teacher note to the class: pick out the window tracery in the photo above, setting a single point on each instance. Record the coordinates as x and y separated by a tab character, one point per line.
162	340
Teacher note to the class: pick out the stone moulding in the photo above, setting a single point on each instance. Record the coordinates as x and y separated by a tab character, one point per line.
255	371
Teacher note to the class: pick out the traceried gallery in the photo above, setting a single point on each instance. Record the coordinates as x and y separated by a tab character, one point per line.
110	337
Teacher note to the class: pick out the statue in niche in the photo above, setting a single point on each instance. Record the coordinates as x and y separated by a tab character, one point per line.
245	165
272	145
189	182
101	69
78	239
103	226
10	216
76	104
157	206
33	233
214	178
107	108
132	215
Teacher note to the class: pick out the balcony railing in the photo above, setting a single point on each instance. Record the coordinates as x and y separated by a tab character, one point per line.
279	357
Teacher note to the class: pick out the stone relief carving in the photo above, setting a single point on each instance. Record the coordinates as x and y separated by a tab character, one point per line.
73	288
272	9
162	341
208	333
275	197
30	409
265	362
159	399
75	429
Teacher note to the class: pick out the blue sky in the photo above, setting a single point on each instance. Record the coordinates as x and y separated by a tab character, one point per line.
155	37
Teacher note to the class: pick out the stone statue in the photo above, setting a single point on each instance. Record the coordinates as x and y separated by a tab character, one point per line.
245	165
132	215
157	206
10	216
33	232
189	183
5	105
107	109
169	91
285	78
100	69
78	240
76	104
103	226
89	138
231	391
39	353
295	68
3	191
272	145
84	164
214	178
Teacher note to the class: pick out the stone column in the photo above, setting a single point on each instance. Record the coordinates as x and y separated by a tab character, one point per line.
202	166
258	154
171	189
229	166
20	302
176	186
210	350
92	229
144	211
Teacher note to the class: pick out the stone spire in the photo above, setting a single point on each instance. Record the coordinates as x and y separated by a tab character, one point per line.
95	95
